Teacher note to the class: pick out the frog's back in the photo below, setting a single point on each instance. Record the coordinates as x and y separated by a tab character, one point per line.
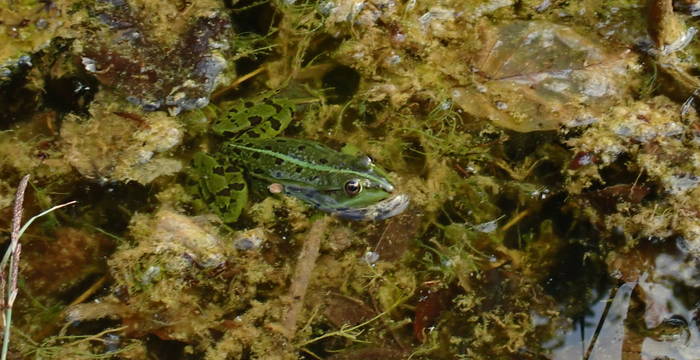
295	160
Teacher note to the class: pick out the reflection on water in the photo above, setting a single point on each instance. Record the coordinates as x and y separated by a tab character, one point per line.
653	317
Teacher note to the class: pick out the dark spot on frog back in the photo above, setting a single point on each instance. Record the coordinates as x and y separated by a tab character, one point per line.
255	120
275	124
237	186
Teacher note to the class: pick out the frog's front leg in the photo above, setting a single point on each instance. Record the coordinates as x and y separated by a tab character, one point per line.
221	185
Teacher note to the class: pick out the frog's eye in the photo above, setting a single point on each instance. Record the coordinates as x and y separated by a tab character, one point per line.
353	187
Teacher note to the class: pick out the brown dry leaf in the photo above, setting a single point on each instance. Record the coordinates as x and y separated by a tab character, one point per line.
343	310
538	76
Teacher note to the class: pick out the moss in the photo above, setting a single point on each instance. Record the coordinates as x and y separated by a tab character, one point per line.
648	133
28	27
121	143
31	149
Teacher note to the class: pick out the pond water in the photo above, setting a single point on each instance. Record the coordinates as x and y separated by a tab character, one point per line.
351	179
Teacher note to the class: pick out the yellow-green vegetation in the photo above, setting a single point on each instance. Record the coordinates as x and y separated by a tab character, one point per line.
652	134
117	143
543	144
29	26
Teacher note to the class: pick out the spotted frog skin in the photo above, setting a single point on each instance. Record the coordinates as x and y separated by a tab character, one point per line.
351	187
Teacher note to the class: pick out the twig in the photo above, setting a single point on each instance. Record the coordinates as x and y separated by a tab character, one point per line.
302	276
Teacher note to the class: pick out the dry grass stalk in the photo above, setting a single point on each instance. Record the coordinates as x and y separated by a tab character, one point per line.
9	265
12	253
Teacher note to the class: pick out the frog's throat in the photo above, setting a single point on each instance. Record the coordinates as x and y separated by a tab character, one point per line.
383	183
379	211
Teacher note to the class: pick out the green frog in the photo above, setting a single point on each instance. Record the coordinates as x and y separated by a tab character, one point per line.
351	187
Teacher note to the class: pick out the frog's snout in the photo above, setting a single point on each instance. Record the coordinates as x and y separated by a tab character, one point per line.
382	210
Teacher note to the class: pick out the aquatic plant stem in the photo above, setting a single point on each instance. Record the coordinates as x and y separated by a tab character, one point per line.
601	322
237	82
91	290
515	220
351	332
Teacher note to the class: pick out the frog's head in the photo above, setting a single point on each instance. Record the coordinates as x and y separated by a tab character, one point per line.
359	191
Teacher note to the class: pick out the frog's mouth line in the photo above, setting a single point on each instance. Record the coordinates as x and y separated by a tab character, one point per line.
382	210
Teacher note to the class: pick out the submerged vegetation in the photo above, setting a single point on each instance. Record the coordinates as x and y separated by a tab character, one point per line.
550	150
